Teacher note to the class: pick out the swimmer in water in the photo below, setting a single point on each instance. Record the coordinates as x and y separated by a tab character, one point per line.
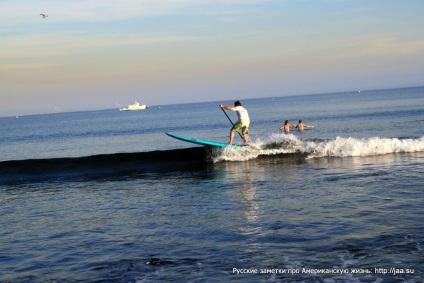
286	126
302	126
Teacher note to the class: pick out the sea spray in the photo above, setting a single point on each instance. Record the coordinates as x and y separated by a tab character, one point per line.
347	147
276	144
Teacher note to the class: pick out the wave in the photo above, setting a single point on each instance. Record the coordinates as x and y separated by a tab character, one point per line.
99	166
198	158
347	147
277	144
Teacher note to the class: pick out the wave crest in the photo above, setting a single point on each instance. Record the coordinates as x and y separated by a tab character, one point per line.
339	147
347	147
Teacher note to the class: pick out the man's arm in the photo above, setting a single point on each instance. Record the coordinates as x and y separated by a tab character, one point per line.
226	107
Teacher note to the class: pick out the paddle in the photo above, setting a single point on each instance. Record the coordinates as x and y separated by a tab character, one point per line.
230	121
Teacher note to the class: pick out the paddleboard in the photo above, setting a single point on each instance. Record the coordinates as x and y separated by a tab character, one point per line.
202	142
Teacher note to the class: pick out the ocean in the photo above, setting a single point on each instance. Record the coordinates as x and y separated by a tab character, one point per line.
107	196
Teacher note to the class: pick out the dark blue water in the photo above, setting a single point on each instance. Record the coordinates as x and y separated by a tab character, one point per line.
106	196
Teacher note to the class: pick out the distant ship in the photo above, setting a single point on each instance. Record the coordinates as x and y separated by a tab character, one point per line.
135	106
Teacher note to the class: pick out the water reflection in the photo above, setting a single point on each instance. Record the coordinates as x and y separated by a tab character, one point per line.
241	178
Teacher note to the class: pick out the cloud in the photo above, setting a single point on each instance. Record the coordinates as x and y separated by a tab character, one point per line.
61	44
378	46
111	10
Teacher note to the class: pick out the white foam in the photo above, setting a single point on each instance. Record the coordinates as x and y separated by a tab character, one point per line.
274	144
339	147
346	147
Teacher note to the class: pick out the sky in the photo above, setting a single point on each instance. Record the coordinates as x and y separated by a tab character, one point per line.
105	54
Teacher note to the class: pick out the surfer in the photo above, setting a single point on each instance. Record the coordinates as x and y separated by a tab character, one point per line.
301	126
242	123
286	126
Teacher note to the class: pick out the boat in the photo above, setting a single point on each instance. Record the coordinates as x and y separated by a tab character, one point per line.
135	106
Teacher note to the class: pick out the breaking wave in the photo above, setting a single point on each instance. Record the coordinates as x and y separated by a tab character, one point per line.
277	144
129	164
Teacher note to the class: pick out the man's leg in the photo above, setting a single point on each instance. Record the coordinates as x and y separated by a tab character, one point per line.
245	131
231	137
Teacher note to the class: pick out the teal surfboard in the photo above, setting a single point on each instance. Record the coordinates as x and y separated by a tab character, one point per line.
201	142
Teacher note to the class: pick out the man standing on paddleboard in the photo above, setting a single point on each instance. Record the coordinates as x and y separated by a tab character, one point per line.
242	123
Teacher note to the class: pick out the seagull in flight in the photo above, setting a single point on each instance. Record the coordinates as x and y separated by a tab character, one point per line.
44	16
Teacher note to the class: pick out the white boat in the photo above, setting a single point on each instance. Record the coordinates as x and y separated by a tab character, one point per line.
135	106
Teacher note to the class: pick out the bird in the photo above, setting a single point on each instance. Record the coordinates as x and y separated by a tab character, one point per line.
44	16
